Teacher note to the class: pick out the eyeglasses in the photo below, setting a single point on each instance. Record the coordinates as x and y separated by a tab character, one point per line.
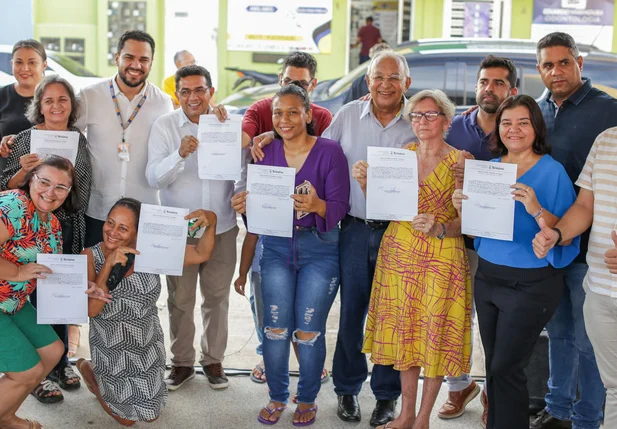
304	84
44	185
393	79
430	116
186	93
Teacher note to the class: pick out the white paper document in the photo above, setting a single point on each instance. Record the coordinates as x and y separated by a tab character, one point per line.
61	143
220	147
269	206
161	240
392	184
61	296
488	210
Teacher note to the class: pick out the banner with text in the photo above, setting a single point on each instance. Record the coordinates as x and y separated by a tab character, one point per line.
279	25
588	21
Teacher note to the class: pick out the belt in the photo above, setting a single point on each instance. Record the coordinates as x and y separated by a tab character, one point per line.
375	224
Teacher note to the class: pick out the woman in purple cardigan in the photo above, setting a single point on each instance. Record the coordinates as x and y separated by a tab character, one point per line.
300	275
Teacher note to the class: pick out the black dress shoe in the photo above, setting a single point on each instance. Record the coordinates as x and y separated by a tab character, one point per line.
545	421
348	408
383	412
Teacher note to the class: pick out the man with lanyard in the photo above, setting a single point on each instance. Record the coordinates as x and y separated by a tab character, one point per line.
575	114
117	114
471	133
173	168
359	124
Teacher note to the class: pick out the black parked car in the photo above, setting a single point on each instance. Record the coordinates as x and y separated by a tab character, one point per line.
452	66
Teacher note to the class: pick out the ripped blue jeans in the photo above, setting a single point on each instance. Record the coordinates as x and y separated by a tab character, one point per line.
299	281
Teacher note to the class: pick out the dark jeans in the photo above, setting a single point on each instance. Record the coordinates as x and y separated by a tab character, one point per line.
364	58
63	333
94	231
513	306
359	245
572	360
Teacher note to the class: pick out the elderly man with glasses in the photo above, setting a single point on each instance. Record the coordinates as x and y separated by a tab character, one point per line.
173	168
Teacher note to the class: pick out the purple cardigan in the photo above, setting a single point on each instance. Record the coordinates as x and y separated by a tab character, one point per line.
326	168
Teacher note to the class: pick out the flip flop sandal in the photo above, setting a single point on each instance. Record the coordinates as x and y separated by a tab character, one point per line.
264	421
66	378
325	375
308	422
88	376
44	392
261	379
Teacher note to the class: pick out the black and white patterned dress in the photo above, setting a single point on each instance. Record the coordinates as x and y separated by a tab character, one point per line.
127	348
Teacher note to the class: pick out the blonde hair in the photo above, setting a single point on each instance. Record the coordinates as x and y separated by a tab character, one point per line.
445	106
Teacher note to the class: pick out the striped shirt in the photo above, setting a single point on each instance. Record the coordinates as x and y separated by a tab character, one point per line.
600	176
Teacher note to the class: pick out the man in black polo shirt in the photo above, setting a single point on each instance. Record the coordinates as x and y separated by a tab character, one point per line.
575	114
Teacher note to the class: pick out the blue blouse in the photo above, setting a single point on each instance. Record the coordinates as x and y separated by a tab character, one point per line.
556	194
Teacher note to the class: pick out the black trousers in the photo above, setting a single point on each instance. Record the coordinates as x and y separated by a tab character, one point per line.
513	306
94	231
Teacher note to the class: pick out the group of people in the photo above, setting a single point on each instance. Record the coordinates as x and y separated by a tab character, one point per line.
405	287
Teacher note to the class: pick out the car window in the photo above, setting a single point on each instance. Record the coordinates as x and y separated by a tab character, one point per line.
5	63
602	76
426	77
72	66
531	82
345	82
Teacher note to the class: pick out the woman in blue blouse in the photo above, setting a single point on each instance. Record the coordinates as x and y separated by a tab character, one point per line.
515	292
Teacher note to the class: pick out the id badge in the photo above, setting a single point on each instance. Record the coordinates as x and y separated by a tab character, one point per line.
123	152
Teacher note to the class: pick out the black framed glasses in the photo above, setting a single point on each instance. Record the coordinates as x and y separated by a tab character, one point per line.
304	84
430	116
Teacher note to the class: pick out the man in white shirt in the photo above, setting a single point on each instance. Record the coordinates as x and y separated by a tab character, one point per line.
173	168
117	115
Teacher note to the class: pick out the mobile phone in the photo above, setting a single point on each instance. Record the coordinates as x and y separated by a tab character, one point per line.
118	271
303	189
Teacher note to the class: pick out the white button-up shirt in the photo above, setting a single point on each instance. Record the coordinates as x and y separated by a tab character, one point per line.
355	127
112	178
178	178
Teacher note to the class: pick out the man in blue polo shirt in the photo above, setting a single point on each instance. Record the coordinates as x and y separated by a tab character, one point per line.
575	114
496	82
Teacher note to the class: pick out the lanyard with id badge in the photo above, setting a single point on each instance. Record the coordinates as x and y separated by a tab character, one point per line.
124	153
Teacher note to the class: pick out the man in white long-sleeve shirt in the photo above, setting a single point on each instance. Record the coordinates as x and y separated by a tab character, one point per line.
172	168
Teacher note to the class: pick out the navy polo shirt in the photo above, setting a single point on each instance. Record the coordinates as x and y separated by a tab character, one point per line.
466	134
573	128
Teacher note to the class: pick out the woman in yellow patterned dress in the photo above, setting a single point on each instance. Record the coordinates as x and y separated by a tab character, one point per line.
420	309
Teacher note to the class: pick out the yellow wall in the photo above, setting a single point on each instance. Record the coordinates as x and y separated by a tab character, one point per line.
522	15
428	19
88	19
329	65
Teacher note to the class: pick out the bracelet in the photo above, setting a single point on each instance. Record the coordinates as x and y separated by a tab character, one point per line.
443	232
539	213
559	238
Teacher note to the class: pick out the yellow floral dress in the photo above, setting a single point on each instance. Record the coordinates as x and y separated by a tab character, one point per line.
420	308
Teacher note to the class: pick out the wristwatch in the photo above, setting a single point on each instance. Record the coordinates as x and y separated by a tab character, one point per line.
558	231
443	232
